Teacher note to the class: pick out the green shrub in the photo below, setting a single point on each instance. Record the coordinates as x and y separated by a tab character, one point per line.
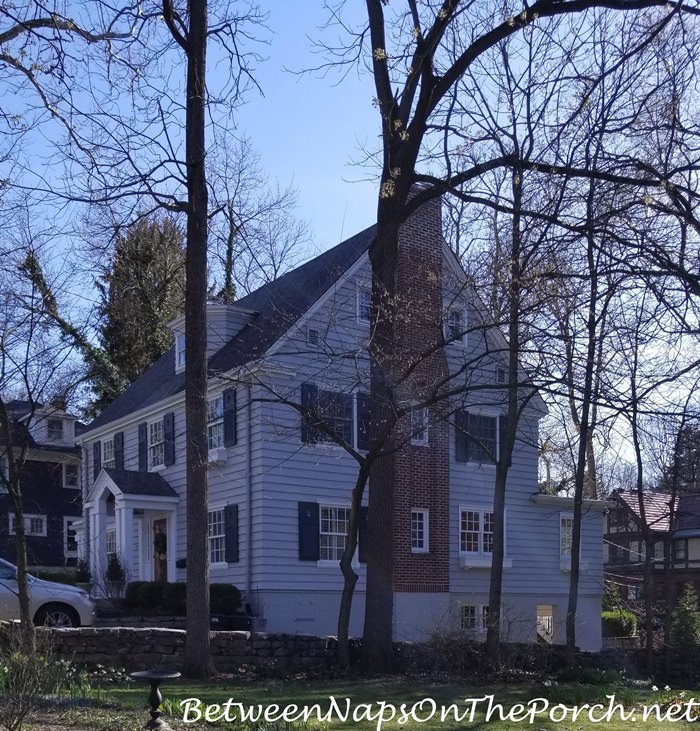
175	597
145	596
619	623
224	598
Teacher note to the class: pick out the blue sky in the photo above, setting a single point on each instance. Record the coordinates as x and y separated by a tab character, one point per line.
310	129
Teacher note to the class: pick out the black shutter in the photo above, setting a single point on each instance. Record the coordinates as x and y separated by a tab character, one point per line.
461	439
309	549
362	535
119	450
230	430
96	459
309	401
143	447
231	527
169	437
362	421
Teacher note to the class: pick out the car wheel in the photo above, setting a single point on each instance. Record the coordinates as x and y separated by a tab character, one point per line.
57	615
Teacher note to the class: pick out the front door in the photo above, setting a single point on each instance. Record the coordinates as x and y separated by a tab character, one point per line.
160	549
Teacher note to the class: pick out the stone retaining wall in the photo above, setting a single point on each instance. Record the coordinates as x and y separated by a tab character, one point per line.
146	649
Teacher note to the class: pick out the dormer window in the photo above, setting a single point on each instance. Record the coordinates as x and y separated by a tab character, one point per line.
55	429
179	351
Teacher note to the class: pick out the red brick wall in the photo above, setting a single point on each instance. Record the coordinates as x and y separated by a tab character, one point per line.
422	472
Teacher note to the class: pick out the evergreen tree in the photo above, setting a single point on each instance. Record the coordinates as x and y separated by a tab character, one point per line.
142	290
685	625
682	474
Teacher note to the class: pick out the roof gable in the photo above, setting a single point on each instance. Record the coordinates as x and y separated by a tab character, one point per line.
278	305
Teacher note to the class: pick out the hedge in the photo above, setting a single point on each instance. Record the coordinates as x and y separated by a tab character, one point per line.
619	623
171	597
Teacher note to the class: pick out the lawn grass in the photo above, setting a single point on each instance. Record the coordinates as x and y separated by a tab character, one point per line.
399	691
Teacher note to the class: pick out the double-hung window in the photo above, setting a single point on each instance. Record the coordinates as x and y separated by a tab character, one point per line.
419	530
108	459
55	429
476	532
455	326
156	443
419	426
34	525
217	536
566	535
333	532
332	412
70	539
71	475
215	418
474	617
476	437
180	351
364	299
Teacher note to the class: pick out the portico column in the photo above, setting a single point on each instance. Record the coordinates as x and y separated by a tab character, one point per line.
124	517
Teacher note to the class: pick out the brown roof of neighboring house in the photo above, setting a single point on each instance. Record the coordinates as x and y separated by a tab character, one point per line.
658	510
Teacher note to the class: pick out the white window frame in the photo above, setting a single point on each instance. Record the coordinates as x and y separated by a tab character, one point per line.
156	444
566	535
460	315
566	544
420	530
29	528
108	457
481	533
497	437
364	308
337	536
419	426
481	559
110	542
180	351
216	541
67	520
54	420
478	624
65	482
215	422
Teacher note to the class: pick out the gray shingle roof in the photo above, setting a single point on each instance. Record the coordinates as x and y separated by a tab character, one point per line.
278	305
149	484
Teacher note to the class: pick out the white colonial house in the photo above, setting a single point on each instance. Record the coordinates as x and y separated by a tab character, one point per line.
279	488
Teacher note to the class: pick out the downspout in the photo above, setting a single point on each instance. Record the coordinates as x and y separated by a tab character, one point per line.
249	498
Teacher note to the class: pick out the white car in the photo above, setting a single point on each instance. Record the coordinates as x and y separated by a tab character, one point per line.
50	603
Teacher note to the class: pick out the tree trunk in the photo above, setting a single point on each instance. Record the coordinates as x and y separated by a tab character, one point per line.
377	648
349	575
197	650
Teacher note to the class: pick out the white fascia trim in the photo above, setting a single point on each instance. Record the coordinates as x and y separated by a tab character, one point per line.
148	412
567	503
347	275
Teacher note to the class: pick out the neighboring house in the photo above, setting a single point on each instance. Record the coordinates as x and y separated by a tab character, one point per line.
50	483
674	530
279	486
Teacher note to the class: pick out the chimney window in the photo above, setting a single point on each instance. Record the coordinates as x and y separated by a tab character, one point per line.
419	426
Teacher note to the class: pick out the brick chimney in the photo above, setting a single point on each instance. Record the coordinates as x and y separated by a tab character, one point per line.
421	470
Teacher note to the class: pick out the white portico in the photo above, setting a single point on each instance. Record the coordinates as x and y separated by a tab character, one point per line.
131	514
